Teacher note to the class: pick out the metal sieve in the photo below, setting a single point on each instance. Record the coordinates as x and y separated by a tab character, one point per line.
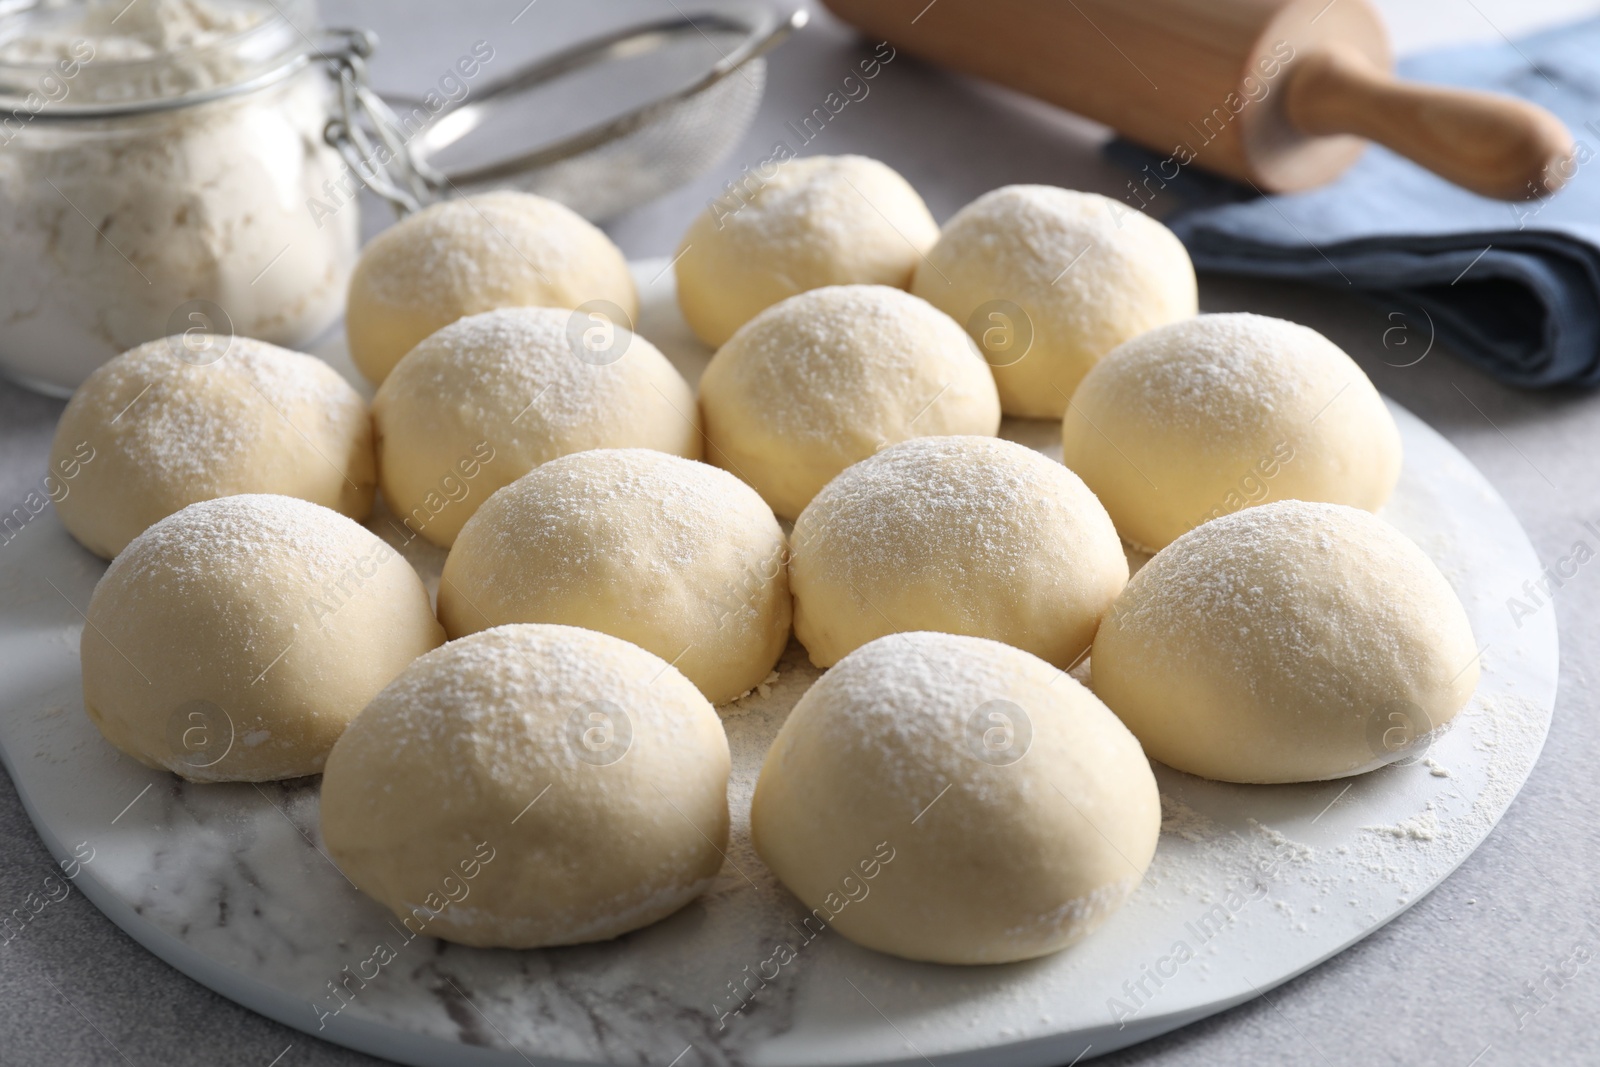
602	126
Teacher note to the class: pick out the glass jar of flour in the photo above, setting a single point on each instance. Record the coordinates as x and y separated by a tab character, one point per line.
159	162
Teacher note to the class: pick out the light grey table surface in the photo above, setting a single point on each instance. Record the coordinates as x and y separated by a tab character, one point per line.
1446	983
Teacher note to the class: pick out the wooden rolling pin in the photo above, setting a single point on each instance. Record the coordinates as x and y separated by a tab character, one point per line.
1283	94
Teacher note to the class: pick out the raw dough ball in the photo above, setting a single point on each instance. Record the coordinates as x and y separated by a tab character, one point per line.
821	220
460	257
235	640
1290	642
826	378
528	786
1049	280
198	416
680	558
1216	413
967	535
488	398
956	800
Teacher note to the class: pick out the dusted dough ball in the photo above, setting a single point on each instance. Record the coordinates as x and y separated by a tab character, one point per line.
956	800
194	417
235	640
821	220
826	378
680	558
488	398
966	535
1216	413
528	786
1290	642
1049	280
460	257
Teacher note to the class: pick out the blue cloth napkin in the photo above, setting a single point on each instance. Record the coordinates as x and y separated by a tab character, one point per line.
1513	288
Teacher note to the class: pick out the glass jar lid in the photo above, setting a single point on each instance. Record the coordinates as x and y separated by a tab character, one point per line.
67	59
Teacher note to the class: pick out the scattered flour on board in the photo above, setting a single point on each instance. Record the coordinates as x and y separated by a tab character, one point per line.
1410	852
1423	826
1180	819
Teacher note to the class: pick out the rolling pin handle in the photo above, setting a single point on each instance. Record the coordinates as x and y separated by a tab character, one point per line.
1497	146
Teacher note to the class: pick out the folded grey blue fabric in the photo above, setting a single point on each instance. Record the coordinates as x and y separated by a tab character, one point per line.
1513	287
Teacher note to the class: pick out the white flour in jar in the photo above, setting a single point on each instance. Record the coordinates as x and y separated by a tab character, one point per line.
123	32
115	231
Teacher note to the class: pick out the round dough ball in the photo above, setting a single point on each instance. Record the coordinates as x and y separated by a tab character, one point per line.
1049	280
529	786
1290	642
199	416
1203	417
956	800
965	535
460	257
816	221
680	558
235	640
826	378
490	397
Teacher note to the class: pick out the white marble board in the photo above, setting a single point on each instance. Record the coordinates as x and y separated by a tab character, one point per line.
1250	885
